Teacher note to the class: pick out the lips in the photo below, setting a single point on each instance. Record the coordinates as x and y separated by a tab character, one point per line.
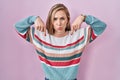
60	28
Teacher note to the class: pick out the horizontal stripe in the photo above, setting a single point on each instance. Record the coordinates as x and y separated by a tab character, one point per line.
59	58
60	66
52	49
65	53
68	45
63	73
60	63
55	51
62	79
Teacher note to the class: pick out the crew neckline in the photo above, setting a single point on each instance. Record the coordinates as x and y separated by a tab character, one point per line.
68	32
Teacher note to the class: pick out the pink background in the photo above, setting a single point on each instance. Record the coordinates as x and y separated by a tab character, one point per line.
18	59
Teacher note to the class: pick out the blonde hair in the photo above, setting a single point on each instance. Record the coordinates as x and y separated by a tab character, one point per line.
53	10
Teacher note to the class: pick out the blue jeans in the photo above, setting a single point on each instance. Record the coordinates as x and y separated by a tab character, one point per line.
48	79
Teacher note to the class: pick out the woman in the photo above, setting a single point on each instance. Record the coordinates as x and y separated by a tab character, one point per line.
59	45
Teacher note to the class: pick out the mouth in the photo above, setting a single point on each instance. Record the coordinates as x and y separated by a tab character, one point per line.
60	28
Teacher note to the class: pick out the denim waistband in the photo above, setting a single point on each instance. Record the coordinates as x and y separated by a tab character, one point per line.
48	79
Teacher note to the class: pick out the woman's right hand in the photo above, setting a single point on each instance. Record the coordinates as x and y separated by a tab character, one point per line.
39	25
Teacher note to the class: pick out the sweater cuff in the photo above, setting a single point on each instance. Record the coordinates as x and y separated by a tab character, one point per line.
88	19
32	19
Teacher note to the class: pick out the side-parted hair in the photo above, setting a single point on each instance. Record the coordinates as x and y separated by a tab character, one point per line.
51	14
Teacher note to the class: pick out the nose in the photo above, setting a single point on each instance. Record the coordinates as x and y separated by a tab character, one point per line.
58	22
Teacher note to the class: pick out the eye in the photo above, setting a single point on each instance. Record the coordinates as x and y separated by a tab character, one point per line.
62	18
55	19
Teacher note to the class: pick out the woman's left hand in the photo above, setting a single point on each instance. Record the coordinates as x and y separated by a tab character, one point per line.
77	23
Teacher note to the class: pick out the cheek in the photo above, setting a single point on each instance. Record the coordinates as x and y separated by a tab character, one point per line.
53	24
65	23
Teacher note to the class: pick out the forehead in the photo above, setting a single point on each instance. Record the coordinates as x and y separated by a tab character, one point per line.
60	13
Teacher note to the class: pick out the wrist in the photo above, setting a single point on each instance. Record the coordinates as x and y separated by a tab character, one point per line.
83	17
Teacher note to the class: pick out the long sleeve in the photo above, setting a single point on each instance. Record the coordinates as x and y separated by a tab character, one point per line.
97	26
23	27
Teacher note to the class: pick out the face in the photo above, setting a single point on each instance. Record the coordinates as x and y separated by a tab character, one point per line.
60	21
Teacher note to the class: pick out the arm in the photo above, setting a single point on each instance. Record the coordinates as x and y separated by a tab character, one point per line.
23	27
24	30
96	27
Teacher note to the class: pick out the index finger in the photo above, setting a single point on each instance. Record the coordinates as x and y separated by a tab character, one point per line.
72	30
44	31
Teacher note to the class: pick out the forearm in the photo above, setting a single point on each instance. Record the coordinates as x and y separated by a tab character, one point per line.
23	25
97	25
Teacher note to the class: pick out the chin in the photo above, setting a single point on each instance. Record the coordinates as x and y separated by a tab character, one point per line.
60	31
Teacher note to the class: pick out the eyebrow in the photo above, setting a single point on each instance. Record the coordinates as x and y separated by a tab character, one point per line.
57	17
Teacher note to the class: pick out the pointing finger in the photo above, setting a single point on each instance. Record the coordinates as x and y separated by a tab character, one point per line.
72	30
44	31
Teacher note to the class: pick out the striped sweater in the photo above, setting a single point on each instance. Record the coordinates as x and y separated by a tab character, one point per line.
60	56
